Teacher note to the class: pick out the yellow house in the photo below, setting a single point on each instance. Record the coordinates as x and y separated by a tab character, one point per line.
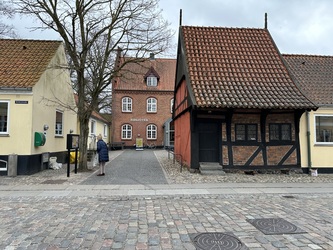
37	106
314	74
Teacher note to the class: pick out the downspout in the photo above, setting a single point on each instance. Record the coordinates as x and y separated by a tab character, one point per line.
308	141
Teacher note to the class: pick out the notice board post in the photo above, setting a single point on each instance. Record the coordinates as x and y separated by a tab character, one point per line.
72	143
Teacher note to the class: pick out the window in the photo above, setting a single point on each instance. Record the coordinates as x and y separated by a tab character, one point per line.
127	104
126	131
171	106
246	132
280	132
152	81
324	128
151	105
59	123
93	127
4	110
151	131
105	130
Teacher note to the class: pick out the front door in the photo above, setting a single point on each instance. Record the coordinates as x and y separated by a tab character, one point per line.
209	135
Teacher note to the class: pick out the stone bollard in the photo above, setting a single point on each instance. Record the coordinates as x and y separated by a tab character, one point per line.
12	165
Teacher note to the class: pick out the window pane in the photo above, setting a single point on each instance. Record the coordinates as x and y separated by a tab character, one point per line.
126	131
58	125
151	132
286	132
3	117
251	132
127	104
151	81
274	132
324	128
151	105
240	132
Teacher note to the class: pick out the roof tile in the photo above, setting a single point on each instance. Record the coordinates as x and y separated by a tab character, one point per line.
238	68
22	62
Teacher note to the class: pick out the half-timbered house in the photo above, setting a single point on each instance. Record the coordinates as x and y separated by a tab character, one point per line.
235	103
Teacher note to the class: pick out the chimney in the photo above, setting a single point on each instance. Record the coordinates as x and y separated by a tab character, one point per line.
152	56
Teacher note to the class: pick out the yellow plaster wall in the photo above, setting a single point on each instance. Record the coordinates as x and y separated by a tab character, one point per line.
53	92
321	155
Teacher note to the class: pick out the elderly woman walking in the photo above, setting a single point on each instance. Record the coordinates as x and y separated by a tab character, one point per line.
103	154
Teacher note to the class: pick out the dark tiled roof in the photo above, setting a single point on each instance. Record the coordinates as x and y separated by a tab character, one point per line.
133	74
238	68
22	62
314	74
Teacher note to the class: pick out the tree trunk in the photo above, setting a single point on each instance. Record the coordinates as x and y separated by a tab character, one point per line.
84	132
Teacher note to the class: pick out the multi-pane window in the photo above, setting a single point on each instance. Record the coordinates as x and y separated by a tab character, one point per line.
280	132
151	105
324	128
152	81
126	131
246	132
126	104
105	130
59	123
4	110
93	127
151	131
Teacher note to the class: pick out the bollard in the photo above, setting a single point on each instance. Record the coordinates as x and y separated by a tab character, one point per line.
12	165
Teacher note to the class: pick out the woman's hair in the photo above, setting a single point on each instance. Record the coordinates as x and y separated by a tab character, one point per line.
99	137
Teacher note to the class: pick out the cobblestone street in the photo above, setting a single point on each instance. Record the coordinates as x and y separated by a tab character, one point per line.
70	215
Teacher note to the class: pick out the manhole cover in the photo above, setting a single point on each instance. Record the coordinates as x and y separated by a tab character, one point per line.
218	241
53	182
275	226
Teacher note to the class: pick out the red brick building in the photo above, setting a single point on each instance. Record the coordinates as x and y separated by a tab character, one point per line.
236	104
142	99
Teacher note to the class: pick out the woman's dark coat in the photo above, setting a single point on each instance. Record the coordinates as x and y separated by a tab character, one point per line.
103	151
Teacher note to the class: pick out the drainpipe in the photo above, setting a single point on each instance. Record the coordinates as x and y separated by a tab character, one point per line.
308	140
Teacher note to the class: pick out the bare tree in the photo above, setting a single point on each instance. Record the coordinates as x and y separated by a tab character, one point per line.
93	31
5	29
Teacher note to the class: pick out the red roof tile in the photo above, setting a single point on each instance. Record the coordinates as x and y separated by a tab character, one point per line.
22	62
314	74
133	74
238	68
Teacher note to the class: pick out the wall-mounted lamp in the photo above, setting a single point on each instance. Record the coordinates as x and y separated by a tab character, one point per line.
71	131
46	127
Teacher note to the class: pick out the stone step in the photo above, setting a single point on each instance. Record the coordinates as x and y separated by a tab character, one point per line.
211	168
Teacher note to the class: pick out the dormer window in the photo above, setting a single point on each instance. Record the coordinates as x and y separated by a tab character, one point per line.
152	81
151	78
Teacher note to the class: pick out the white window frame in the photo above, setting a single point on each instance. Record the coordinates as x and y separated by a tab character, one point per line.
92	127
125	129
126	104
315	130
7	118
151	105
59	131
171	106
105	130
152	81
151	132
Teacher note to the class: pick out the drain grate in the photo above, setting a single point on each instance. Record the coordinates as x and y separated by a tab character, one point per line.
221	241
53	182
275	226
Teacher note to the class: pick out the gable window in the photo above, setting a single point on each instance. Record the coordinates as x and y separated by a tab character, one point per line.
280	132
126	131
324	129
152	81
246	132
92	127
4	110
59	123
151	132
151	105
126	104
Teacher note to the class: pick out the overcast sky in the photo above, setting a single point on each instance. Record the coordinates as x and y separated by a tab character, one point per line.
297	26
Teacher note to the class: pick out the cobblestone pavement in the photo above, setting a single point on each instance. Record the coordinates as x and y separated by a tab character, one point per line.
149	222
